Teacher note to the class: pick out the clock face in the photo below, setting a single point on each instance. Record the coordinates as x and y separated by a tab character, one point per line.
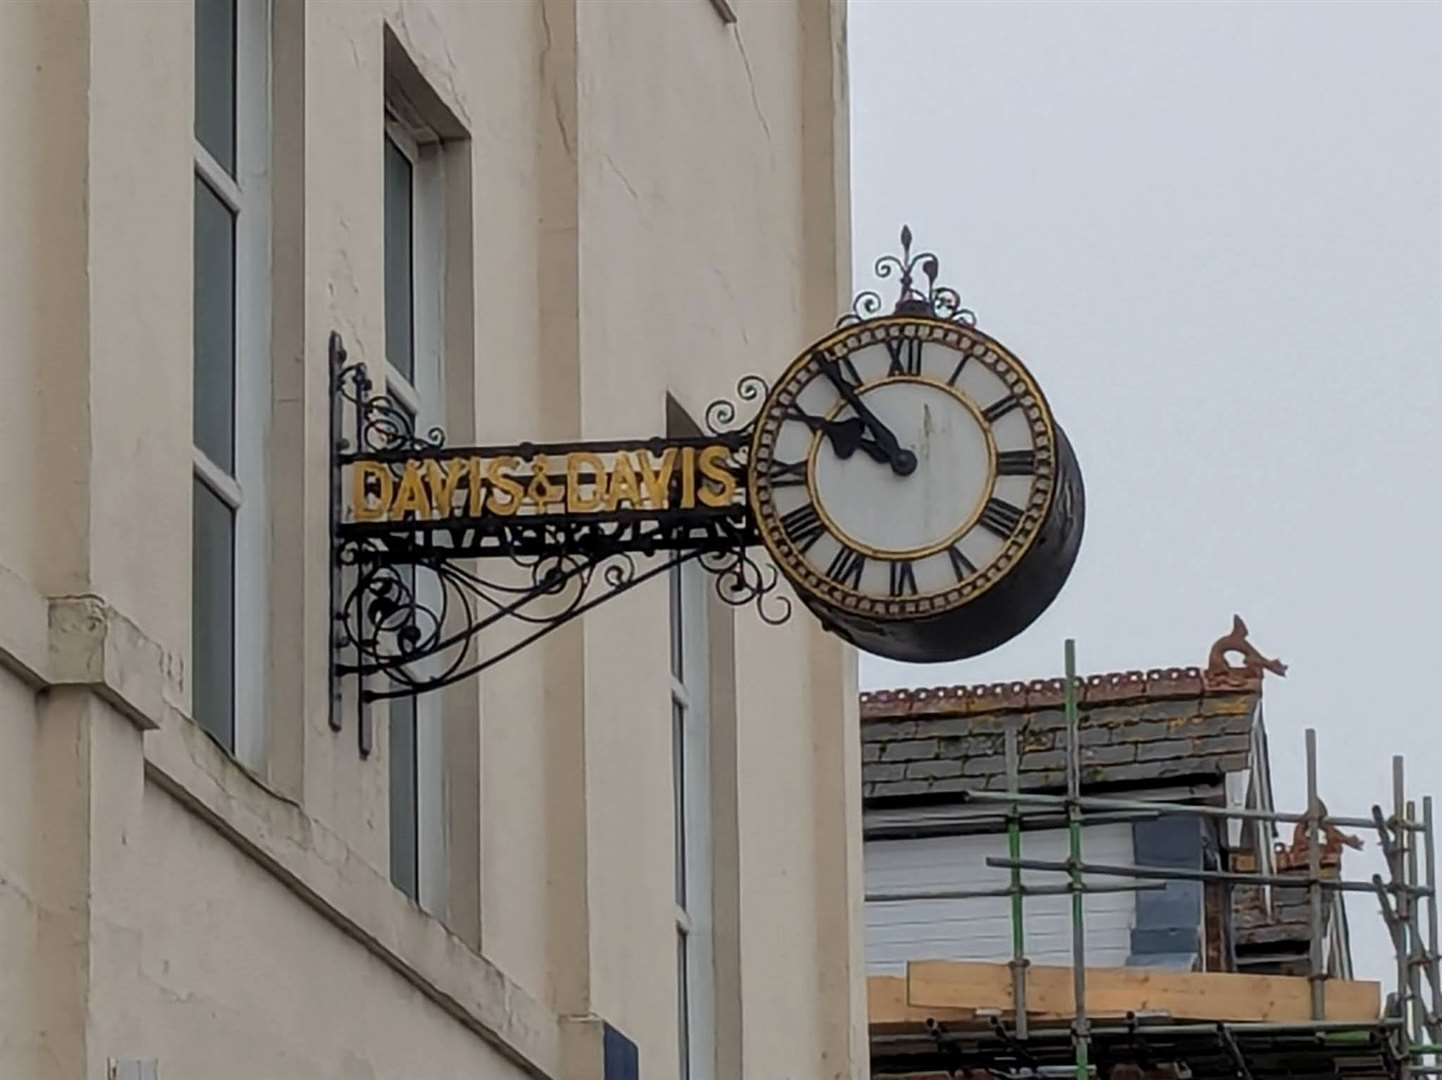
902	467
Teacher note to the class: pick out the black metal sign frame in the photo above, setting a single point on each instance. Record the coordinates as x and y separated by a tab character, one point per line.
427	556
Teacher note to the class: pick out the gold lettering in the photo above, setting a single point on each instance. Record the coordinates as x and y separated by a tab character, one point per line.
365	510
657	481
623	483
501	482
444	483
477	477
575	501
541	491
720	486
411	495
688	477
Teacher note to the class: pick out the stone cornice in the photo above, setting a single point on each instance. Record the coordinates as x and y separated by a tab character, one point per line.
52	641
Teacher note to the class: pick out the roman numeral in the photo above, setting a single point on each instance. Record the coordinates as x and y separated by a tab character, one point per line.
1000	517
903	579
959	365
846	568
1016	463
997	409
786	473
905	356
961	566
839	367
803	526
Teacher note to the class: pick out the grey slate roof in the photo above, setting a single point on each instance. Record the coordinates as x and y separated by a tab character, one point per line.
1136	729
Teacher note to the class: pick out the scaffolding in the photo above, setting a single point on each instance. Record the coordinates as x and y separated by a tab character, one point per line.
1404	1042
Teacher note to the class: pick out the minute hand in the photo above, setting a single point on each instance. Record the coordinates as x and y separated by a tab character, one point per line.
903	462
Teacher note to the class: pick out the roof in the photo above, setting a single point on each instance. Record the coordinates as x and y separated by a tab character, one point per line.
1136	728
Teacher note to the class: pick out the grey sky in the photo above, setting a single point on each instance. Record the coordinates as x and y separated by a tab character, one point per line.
1214	233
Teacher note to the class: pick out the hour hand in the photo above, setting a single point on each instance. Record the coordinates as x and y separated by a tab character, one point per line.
847	436
875	451
901	460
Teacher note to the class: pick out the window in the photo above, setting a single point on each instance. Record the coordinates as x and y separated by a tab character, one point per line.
413	168
691	786
231	396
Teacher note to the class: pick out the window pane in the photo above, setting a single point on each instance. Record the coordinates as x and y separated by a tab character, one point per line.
683	1006
212	617
214	327
678	656
215	79
678	786
404	868
400	303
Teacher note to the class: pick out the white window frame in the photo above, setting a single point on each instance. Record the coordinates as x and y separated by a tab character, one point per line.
247	195
424	398
691	771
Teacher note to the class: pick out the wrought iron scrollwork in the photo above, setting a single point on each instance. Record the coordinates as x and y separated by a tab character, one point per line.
938	301
417	622
383	424
720	415
741	580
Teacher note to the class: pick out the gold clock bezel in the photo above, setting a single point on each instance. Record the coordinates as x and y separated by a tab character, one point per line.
981	348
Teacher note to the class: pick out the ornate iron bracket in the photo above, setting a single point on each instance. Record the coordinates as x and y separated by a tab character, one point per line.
432	545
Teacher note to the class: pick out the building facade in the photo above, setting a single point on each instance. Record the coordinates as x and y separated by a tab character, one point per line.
1177	736
985	807
556	219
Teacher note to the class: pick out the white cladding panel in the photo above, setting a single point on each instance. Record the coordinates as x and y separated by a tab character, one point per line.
981	929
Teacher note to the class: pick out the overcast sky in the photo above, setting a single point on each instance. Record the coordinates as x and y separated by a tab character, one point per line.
1214	233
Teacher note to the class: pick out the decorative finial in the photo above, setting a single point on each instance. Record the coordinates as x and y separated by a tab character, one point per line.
934	301
1253	662
1333	840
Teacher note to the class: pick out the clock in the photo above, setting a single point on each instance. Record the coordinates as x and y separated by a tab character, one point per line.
909	480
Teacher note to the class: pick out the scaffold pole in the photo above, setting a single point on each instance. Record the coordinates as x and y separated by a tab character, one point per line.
1013	847
1316	968
1080	1028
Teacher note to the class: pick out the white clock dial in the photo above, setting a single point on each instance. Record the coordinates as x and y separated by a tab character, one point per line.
902	466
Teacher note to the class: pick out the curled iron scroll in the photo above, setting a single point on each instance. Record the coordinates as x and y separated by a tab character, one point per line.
938	301
720	415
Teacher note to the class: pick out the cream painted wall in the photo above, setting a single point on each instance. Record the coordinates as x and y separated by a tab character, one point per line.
22	997
44	82
229	953
659	206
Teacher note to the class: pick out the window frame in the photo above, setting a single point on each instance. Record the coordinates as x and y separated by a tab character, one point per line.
693	901
246	196
422	397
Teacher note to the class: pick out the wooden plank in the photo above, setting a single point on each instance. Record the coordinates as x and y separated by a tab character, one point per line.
888	1010
1111	992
